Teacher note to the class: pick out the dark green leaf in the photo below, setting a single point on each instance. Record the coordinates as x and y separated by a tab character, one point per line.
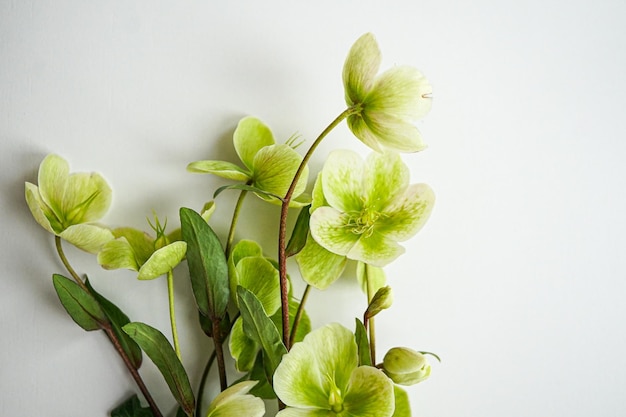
362	343
260	328
300	232
245	187
207	264
118	320
207	325
79	304
131	408
159	350
263	389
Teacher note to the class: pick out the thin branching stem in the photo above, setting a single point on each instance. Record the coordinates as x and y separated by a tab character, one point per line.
298	316
233	224
170	296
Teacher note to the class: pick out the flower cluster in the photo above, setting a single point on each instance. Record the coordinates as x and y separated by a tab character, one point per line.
360	210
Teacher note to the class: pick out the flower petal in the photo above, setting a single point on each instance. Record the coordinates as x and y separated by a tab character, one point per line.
375	249
87	198
406	215
141	243
258	275
386	176
220	168
375	276
401	91
370	393
299	412
40	211
318	266
360	68
393	133
274	168
88	237
235	401
330	229
250	136
342	177
359	127
118	254
326	356
163	260
403	407
52	179
243	349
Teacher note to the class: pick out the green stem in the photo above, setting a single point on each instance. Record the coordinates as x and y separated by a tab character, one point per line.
170	296
111	335
233	224
282	232
205	375
219	351
296	319
370	321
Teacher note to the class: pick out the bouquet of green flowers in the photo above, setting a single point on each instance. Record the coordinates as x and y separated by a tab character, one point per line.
358	210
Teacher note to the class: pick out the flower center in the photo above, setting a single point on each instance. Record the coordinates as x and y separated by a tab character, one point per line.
363	223
334	399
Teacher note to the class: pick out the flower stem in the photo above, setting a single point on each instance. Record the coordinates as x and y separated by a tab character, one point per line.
282	232
219	352
233	224
205	375
170	296
111	335
296	319
370	321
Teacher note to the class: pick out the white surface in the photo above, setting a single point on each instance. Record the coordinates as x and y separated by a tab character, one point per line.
517	281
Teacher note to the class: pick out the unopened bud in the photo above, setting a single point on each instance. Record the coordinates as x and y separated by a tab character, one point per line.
405	366
382	300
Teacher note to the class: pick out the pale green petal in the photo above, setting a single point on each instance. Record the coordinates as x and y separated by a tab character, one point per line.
250	137
243	349
393	133
38	208
330	228
360	128
87	198
52	179
319	267
318	198
375	249
360	68
326	356
207	211
236	402
375	275
142	244
275	167
259	276
369	394
386	176
342	177
406	215
402	92
220	168
118	254
88	237
163	260
300	412
403	407
242	249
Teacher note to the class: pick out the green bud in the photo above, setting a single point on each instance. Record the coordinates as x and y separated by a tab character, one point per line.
382	300
405	366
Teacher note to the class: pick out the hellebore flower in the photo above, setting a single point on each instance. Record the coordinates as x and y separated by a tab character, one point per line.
235	401
320	376
66	204
268	167
371	207
388	103
406	366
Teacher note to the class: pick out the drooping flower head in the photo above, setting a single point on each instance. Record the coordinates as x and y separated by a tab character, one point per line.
320	376
388	103
371	207
269	167
67	204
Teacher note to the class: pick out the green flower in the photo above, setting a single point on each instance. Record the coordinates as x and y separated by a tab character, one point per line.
387	103
371	207
236	402
406	366
268	167
320	376
67	204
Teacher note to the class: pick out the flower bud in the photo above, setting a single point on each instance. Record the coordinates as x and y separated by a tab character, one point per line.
405	366
382	300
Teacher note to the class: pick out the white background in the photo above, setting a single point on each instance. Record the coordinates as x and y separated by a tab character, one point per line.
517	281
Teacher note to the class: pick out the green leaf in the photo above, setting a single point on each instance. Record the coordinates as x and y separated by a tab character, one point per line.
162	354
131	408
245	187
207	264
118	320
260	328
300	232
362	343
79	304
